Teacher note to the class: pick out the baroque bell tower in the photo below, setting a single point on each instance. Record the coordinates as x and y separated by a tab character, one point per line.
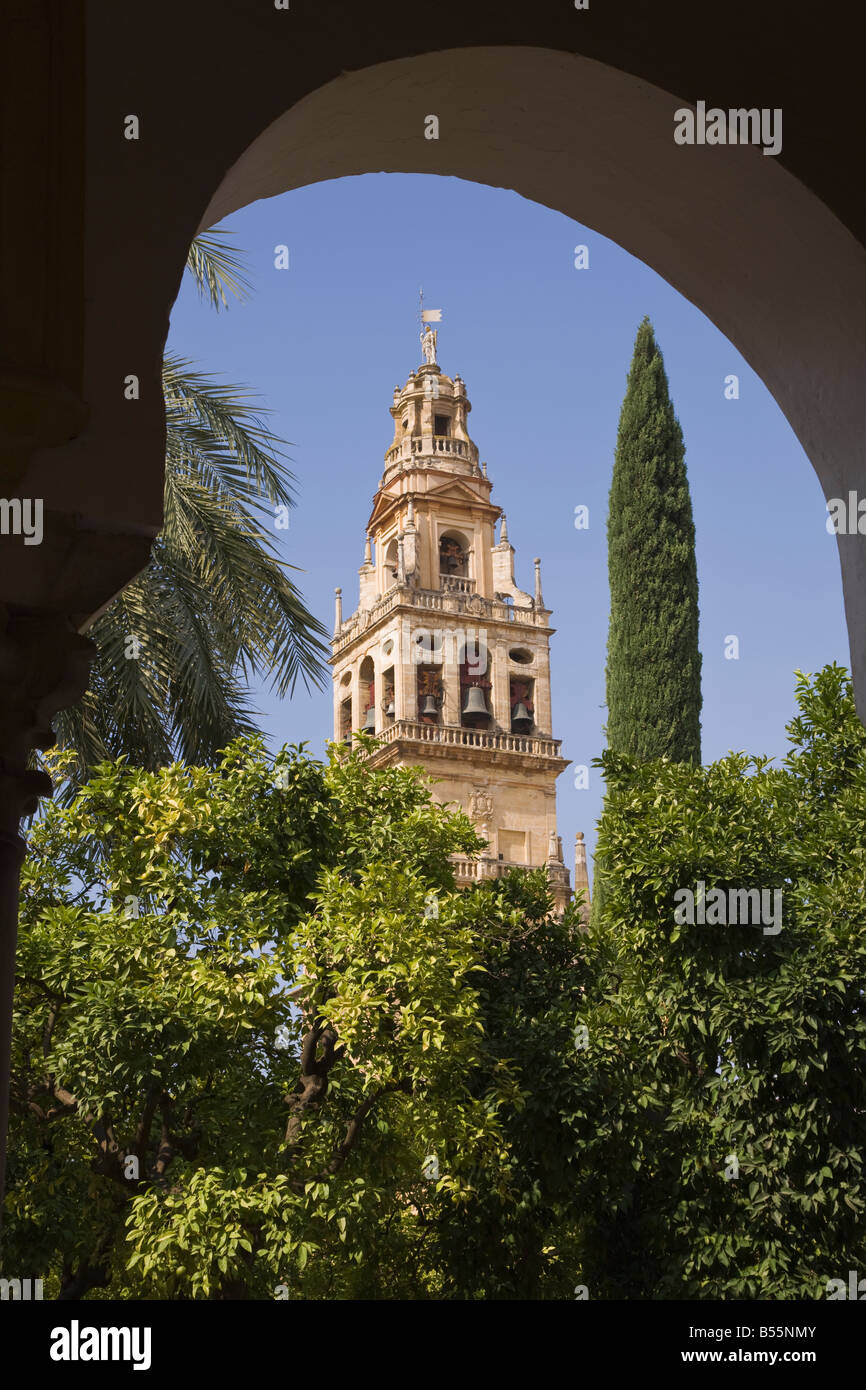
446	660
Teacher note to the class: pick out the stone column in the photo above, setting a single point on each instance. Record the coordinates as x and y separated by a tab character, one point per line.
541	691
405	670
450	713
501	686
339	696
44	667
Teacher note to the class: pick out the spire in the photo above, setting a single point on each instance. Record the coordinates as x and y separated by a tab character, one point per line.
338	619
581	877
539	597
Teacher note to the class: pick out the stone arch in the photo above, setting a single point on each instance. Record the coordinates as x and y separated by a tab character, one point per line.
729	228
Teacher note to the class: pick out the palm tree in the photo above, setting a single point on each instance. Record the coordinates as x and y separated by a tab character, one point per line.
214	606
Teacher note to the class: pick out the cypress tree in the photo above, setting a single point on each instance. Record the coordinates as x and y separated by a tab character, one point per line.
653	661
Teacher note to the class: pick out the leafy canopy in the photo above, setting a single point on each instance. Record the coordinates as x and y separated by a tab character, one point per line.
722	1123
250	1044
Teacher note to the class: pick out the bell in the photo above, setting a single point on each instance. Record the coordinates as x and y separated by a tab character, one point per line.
390	709
521	719
429	706
475	703
369	724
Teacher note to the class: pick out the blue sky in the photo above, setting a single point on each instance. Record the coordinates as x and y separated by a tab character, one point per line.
544	350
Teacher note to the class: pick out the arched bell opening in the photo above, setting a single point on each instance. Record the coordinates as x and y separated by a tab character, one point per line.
430	694
475	689
389	707
453	556
367	677
346	721
390	562
521	704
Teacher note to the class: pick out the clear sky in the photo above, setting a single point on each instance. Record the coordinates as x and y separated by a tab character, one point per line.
544	350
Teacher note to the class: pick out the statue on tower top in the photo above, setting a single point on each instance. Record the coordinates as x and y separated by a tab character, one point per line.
428	334
428	343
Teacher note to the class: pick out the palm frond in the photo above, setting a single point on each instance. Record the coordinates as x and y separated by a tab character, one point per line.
208	703
216	268
218	435
248	592
215	605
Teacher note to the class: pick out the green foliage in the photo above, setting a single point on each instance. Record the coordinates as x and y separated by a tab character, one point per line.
653	665
516	1240
343	1078
291	1025
712	1041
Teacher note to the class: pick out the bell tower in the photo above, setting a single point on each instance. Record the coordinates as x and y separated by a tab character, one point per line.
445	659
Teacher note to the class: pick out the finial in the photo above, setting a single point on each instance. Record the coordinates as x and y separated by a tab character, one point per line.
484	469
539	597
338	619
410	519
401	560
503	534
368	554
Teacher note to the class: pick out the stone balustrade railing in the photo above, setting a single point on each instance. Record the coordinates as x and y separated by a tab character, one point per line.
451	599
455	584
428	445
455	736
469	870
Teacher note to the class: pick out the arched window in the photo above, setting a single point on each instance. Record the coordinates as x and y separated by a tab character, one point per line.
453	556
368	695
391	564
